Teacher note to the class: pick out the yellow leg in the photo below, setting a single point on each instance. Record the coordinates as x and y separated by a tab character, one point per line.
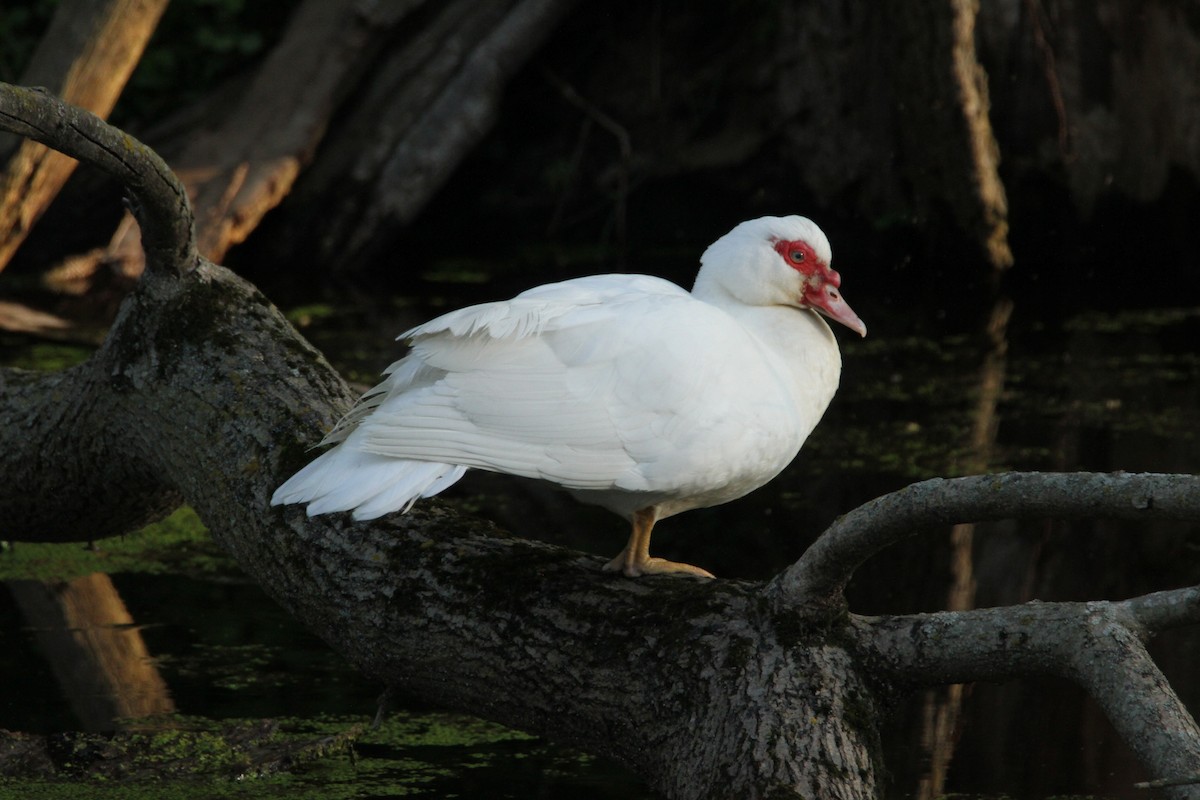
635	559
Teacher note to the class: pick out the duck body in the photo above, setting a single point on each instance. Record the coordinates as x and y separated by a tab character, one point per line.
626	390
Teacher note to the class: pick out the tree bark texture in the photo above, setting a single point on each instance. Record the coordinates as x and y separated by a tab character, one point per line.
86	57
203	392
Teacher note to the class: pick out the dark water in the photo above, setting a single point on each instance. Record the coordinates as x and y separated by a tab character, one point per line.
1098	392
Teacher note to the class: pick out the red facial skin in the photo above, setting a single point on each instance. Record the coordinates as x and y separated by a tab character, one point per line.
821	284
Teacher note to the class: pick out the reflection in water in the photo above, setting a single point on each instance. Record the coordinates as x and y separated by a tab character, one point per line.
942	707
94	649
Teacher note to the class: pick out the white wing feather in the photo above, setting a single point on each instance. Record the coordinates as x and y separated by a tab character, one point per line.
538	386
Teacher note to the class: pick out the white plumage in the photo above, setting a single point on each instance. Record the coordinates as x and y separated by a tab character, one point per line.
624	389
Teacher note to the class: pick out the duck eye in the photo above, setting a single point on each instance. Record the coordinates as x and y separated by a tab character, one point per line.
797	256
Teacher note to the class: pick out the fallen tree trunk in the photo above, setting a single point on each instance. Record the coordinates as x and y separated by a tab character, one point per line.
202	392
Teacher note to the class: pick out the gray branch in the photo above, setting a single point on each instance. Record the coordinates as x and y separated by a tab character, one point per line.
825	568
159	200
1097	645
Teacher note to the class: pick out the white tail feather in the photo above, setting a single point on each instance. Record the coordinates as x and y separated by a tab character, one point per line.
371	485
423	479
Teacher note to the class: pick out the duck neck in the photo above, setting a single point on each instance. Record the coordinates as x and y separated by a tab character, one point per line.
799	342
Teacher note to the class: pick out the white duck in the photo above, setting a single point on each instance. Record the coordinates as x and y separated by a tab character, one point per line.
626	390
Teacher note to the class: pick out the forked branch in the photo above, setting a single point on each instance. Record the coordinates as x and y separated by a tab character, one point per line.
1099	645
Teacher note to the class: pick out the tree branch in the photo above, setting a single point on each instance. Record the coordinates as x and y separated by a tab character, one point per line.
160	201
823	571
86	56
1163	611
1098	645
